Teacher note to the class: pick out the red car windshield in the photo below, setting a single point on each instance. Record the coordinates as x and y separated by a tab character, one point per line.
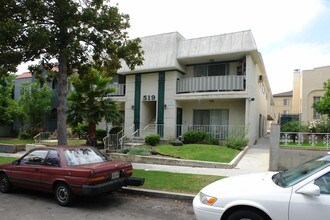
81	156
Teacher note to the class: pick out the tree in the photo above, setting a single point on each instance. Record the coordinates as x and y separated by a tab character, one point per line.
323	106
66	34
36	102
89	102
7	103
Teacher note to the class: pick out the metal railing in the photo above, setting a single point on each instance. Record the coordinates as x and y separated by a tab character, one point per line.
220	132
120	90
300	139
153	129
42	136
112	141
211	83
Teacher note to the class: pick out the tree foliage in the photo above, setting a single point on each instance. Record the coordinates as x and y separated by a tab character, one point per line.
323	106
89	102
65	34
7	103
34	103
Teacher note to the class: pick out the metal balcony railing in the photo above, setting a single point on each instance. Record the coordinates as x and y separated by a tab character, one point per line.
120	90
211	84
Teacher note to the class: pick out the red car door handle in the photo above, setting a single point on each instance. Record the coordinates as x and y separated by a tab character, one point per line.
36	169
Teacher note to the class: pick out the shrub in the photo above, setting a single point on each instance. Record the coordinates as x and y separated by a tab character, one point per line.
142	151
294	126
80	129
100	134
320	126
236	142
115	130
152	139
24	135
194	137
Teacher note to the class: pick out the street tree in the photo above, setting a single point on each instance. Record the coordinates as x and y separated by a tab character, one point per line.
323	106
7	103
35	101
65	34
89	102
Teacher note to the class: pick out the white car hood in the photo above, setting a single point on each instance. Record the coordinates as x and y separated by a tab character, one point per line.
241	185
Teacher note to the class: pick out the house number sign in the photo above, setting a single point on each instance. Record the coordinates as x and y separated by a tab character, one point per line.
149	98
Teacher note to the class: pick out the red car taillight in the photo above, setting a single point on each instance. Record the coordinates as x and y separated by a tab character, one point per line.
97	179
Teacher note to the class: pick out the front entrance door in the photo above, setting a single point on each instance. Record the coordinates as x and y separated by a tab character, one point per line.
178	122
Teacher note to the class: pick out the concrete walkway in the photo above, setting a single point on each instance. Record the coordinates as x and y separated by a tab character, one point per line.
255	160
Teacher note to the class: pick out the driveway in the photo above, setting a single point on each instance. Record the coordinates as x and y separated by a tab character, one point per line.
31	205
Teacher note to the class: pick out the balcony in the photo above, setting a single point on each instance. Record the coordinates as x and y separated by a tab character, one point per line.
211	84
120	90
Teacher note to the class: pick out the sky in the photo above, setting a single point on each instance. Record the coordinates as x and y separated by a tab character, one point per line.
290	34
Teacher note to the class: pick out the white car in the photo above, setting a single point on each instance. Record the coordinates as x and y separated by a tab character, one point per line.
296	194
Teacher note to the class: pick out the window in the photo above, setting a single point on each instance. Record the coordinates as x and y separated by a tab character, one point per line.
52	159
214	121
324	183
211	70
36	157
81	156
285	101
316	115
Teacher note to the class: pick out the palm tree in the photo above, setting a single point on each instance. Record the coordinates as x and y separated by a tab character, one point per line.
89	102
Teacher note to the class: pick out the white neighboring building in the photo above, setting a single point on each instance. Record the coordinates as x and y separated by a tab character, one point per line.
217	84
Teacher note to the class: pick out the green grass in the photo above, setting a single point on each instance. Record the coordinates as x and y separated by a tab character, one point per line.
305	145
16	141
203	152
174	182
71	142
7	159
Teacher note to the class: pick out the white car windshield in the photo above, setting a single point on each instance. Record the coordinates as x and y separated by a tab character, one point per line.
81	156
290	177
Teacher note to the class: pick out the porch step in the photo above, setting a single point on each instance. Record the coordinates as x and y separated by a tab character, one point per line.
133	144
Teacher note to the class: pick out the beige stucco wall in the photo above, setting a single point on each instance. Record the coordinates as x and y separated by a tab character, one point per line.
296	94
311	86
279	106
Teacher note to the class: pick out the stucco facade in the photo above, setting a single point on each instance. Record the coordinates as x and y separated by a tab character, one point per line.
283	104
217	84
308	87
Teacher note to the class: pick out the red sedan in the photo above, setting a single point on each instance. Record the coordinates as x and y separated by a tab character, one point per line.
67	171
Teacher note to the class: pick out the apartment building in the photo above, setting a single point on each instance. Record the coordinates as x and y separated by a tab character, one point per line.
307	89
282	104
216	84
51	118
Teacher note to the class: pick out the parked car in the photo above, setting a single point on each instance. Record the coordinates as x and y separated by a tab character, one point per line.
67	171
299	193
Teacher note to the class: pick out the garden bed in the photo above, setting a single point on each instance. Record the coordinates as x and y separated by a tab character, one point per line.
11	148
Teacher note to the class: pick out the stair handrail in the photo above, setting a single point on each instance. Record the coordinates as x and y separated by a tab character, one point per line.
137	131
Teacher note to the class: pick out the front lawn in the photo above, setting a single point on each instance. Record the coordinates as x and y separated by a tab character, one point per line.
174	182
7	159
71	142
16	141
203	152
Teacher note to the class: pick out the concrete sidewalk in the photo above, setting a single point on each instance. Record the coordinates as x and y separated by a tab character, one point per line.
255	160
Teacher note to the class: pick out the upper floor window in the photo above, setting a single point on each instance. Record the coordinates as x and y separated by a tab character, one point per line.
316	115
211	70
285	101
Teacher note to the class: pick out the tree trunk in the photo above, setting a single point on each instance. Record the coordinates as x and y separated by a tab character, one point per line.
91	134
62	98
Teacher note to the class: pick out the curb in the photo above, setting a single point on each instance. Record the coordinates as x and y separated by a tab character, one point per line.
159	194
